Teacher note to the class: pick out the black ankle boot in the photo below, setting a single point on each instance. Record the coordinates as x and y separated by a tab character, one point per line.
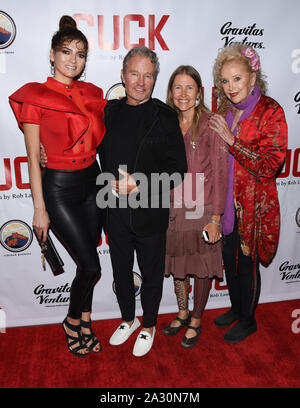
226	319
240	331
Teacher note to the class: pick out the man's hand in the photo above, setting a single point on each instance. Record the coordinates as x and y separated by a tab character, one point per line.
126	185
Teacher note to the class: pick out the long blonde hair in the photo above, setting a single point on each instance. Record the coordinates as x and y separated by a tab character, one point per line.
234	53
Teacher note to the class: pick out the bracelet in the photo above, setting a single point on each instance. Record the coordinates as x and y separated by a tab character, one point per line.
215	222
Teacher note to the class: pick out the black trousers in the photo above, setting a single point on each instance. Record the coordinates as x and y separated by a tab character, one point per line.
242	276
150	251
70	198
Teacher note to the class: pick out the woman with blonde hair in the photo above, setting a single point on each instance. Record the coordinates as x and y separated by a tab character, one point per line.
254	128
195	207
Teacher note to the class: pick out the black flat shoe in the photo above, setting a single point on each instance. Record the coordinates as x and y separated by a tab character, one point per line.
90	340
72	340
240	331
170	331
191	342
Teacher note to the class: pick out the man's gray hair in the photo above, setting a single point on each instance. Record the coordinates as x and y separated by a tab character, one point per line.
143	52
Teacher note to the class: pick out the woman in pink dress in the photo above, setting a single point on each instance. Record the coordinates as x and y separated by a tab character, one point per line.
196	205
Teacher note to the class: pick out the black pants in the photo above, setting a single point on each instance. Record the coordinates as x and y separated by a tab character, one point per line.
150	251
70	198
242	276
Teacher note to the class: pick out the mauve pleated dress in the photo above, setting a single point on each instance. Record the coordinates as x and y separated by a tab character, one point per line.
187	253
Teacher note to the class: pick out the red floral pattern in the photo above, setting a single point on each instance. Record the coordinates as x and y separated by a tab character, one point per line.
259	150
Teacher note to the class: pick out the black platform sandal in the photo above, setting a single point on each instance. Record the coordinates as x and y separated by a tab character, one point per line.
71	340
91	340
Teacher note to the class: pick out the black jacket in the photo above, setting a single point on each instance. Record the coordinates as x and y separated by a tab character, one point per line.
161	150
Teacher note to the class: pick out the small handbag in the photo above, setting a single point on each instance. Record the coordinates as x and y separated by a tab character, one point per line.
50	254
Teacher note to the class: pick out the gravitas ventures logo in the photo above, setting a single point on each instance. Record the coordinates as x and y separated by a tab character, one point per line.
247	35
290	273
51	297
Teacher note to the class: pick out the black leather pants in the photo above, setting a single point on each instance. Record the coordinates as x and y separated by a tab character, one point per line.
70	198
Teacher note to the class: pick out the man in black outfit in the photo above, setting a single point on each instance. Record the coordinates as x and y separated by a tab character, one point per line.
142	134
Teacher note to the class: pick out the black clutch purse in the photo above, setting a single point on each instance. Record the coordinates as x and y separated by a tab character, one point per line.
50	254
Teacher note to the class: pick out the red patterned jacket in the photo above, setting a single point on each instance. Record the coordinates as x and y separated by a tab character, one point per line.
259	150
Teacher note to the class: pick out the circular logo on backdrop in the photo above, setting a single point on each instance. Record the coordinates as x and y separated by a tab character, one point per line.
116	91
7	30
298	217
137	281
15	236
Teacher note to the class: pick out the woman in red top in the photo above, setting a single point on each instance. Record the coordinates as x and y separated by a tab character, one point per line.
255	130
67	117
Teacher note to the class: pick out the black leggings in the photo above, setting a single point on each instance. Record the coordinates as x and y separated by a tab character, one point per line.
70	198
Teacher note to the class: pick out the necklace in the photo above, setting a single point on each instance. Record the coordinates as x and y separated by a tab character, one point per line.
193	144
185	130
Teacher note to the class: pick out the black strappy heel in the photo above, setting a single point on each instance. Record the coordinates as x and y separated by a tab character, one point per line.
91	340
71	340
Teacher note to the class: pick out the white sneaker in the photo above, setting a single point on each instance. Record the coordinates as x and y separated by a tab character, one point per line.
143	343
123	332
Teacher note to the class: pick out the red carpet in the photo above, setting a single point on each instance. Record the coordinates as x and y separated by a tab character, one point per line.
37	357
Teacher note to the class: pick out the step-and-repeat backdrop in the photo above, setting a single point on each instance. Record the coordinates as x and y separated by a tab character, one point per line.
189	32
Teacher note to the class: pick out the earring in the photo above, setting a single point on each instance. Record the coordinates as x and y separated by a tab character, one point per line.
197	102
52	69
83	76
